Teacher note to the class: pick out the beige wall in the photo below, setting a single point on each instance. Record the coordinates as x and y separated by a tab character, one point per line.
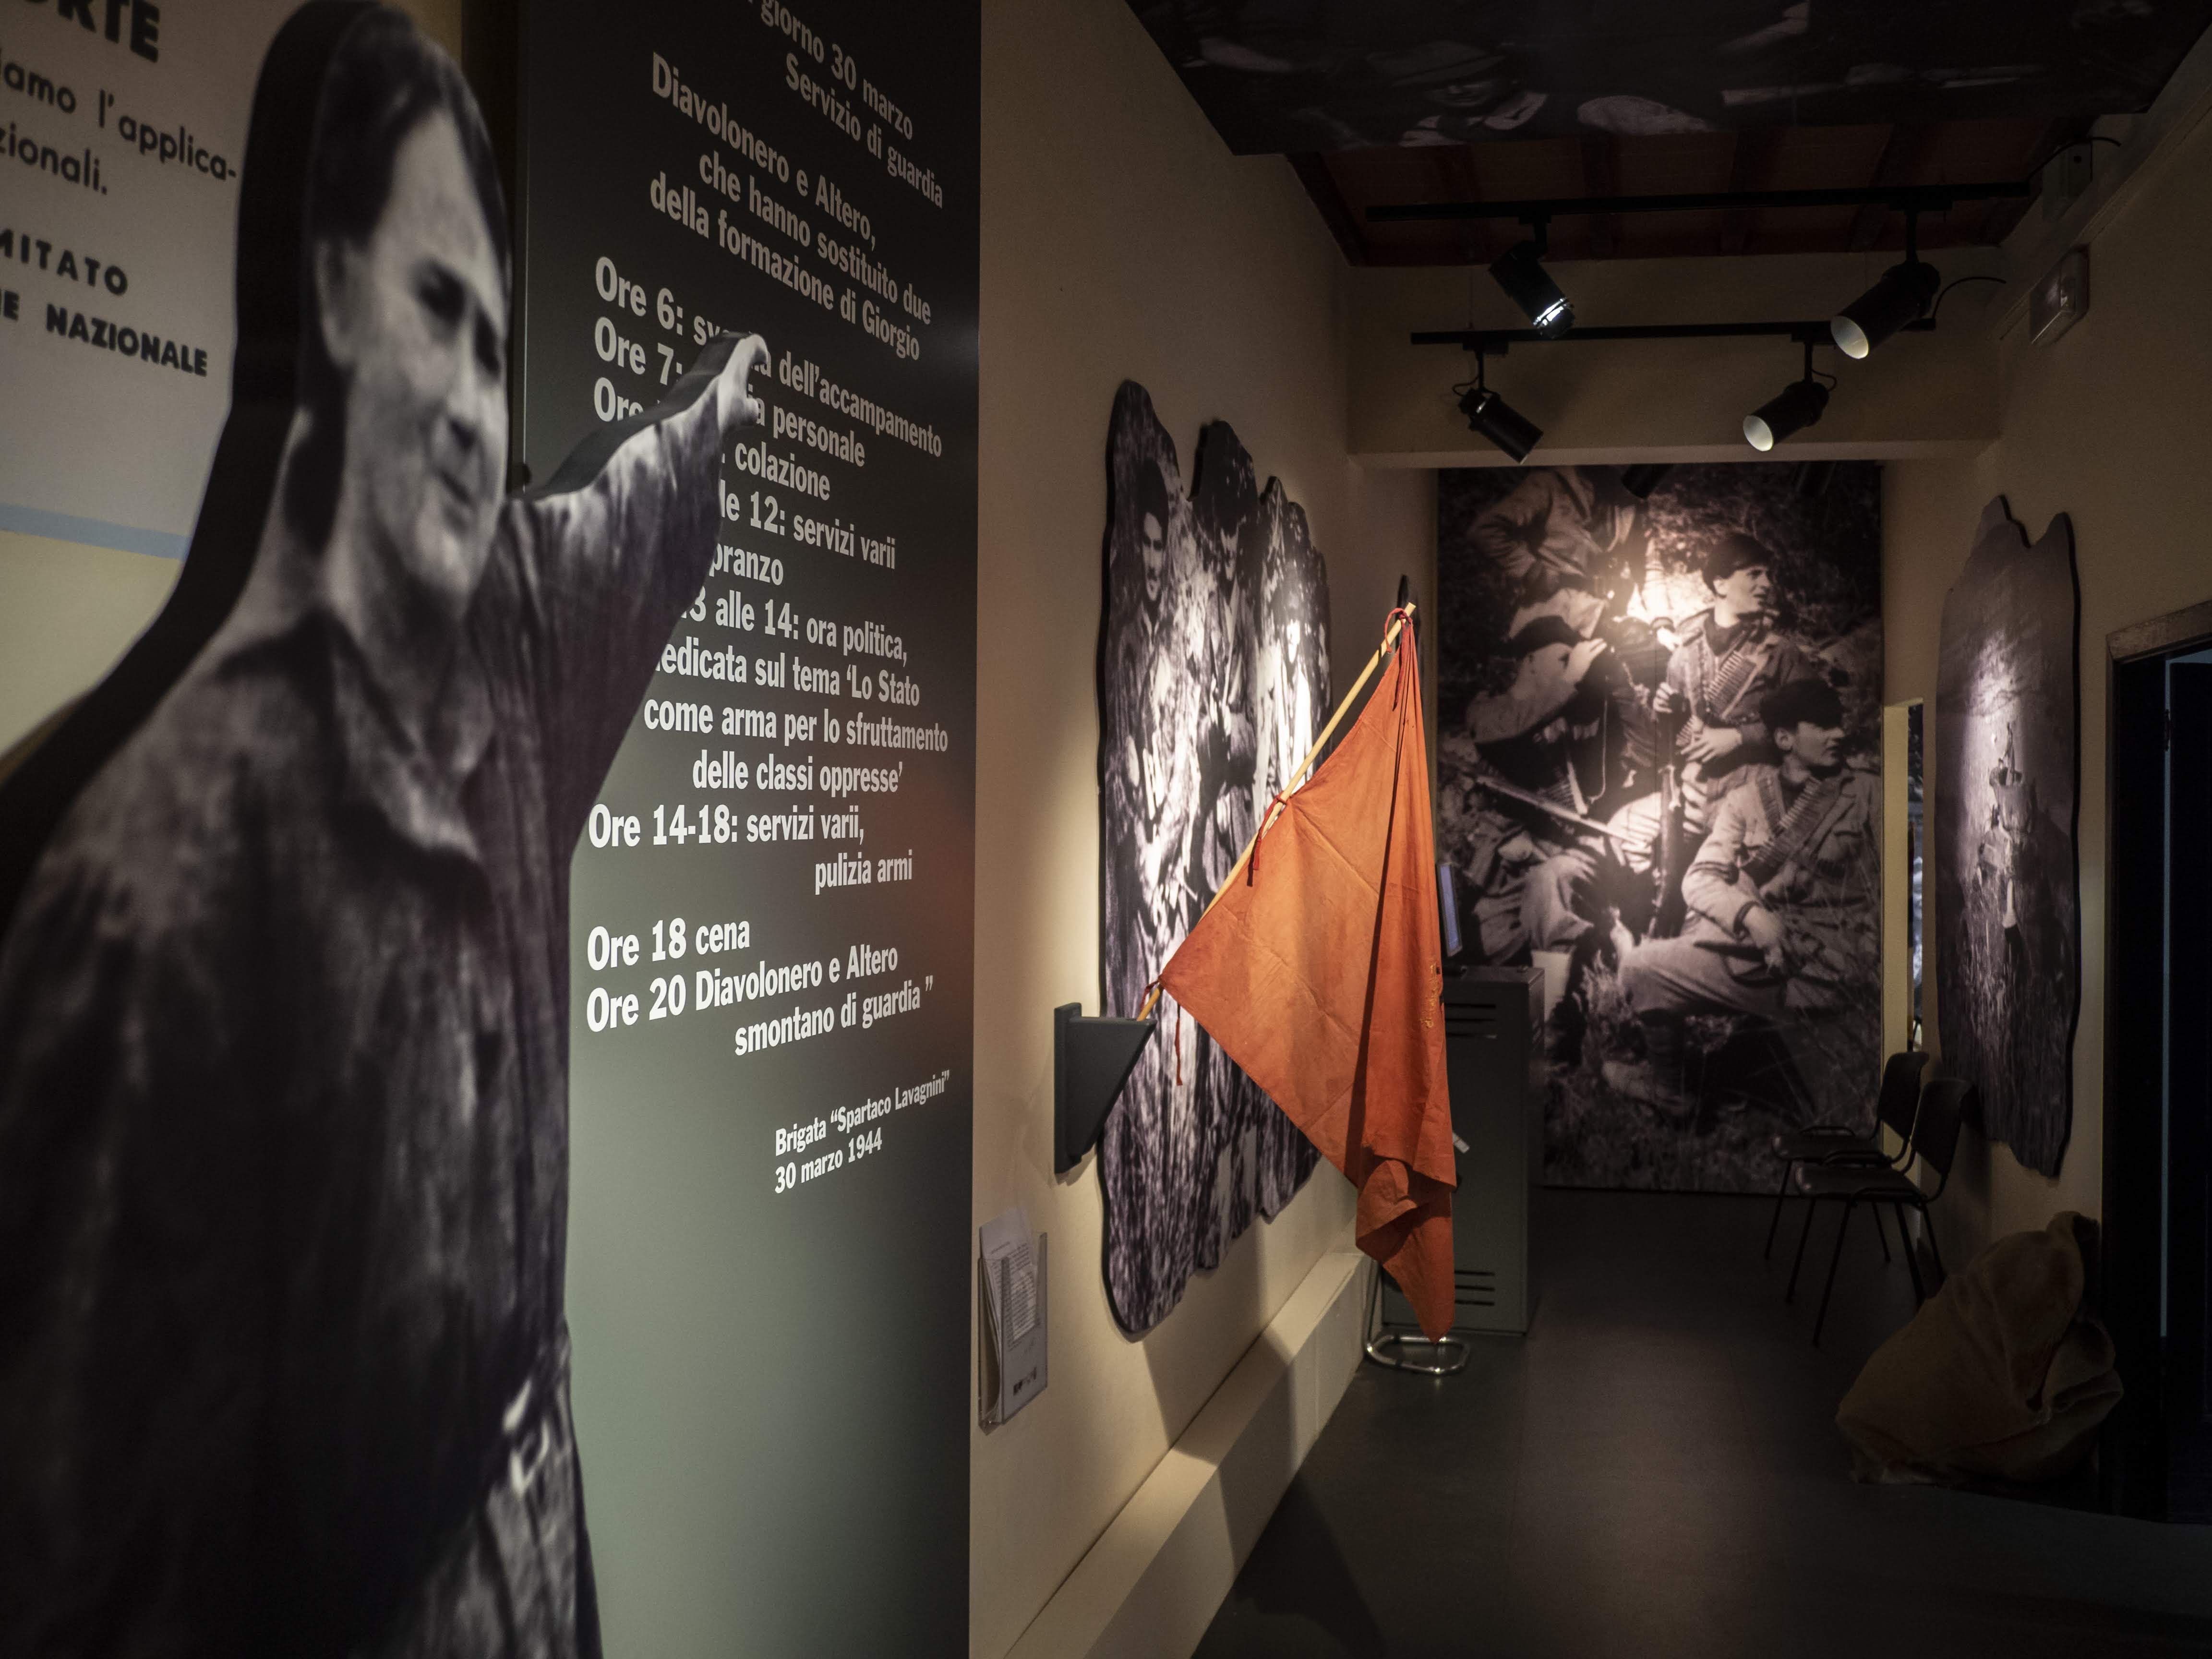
1120	240
2108	424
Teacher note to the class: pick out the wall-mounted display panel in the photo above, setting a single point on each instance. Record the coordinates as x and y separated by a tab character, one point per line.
1213	685
772	911
2008	913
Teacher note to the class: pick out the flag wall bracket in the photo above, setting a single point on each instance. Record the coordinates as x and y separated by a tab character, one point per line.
1091	1058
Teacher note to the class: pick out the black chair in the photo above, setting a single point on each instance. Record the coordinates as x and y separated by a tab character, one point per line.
1894	1108
1944	1104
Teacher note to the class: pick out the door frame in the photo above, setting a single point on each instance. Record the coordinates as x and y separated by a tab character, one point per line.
2134	1453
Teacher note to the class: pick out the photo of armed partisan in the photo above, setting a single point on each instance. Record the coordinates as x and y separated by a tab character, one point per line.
1658	781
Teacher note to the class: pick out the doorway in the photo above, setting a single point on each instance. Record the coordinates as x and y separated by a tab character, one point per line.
2157	1270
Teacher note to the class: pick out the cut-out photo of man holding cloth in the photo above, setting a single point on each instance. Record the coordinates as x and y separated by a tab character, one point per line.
284	998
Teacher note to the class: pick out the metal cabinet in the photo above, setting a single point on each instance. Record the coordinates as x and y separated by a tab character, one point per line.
1494	1059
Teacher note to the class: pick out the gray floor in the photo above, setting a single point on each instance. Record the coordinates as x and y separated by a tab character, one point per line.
1655	1470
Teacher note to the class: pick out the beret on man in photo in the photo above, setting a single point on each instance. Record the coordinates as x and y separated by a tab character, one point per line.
1805	702
1733	552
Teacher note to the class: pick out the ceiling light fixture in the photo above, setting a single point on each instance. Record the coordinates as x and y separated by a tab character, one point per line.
1796	407
1494	418
1520	271
1901	298
1644	478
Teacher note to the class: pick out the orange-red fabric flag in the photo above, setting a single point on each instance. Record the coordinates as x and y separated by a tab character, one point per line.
1319	971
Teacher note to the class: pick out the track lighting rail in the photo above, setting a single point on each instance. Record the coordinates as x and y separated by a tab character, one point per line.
1903	300
1901	198
1494	342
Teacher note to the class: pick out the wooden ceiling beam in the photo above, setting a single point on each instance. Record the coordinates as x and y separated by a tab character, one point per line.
1600	178
1752	160
1336	213
1900	164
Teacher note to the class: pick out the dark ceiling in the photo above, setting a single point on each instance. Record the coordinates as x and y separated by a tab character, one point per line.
1393	101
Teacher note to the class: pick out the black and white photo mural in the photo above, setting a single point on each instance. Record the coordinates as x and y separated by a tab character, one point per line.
2007	917
1212	683
1658	780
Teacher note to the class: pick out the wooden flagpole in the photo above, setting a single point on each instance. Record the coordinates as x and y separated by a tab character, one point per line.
1398	618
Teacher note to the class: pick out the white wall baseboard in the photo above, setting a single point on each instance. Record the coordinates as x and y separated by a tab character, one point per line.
1152	1582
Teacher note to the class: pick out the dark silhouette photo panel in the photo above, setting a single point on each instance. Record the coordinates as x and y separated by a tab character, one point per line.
1213	670
2008	912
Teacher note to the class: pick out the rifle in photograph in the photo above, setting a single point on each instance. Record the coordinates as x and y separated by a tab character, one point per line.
1497	786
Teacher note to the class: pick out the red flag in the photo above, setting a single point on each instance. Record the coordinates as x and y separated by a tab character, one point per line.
1319	971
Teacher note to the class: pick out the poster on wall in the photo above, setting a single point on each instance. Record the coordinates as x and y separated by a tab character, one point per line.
125	142
2008	916
771	918
1213	685
1658	780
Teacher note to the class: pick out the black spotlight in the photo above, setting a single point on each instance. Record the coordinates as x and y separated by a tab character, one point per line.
1797	407
1644	478
1520	271
1500	422
1902	296
1497	420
